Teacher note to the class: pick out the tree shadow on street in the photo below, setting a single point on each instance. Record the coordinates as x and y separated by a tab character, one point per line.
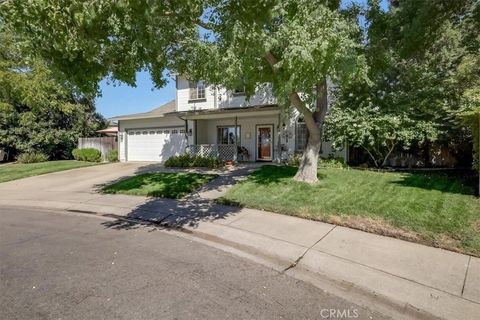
170	213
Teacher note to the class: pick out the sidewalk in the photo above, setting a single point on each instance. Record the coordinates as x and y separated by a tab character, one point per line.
411	276
414	280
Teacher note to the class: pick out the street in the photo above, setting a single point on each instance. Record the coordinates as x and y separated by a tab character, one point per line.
61	265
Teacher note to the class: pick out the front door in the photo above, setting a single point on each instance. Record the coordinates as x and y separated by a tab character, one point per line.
264	142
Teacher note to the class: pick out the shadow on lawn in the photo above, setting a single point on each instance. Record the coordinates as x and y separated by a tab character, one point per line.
455	181
165	184
459	182
275	174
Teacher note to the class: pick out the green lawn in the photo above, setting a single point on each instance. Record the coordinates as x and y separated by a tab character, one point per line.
430	208
22	170
165	185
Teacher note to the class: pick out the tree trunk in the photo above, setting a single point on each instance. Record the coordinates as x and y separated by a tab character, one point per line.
307	170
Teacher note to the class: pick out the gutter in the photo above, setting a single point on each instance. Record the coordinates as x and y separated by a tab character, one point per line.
186	127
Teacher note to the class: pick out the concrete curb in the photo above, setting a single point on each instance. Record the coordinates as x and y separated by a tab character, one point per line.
398	297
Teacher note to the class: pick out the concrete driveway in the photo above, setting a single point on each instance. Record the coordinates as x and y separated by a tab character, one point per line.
67	189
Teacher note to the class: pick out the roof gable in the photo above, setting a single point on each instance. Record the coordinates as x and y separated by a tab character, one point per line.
157	112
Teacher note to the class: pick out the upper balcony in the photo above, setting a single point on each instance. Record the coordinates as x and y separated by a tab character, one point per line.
201	96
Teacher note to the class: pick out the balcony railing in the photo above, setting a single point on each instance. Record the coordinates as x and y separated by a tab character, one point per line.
222	151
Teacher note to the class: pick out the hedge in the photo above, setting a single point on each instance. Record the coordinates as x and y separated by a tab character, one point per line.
189	161
32	157
88	154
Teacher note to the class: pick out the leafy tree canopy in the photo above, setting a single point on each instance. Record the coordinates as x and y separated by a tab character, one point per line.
38	113
292	44
423	58
218	41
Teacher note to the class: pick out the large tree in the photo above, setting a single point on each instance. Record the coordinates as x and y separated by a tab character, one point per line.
37	112
295	45
423	64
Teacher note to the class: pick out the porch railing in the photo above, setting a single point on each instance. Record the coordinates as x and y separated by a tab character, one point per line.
222	151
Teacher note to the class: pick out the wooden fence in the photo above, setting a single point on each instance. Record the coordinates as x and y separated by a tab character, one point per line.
104	144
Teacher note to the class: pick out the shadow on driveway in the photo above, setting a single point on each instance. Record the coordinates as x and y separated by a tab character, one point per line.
188	211
170	213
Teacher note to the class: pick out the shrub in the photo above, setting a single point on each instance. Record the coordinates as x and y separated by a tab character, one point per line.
32	157
332	162
112	155
188	161
295	160
329	162
88	154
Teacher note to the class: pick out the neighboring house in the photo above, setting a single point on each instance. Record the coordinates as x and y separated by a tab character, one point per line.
111	130
202	120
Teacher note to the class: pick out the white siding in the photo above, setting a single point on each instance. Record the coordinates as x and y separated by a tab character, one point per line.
327	151
121	146
263	96
224	98
183	97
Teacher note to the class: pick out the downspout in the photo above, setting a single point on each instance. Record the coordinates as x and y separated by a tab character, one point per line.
235	156
278	155
215	98
186	129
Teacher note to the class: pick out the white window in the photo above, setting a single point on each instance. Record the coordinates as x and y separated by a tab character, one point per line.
226	135
300	136
239	90
174	131
197	90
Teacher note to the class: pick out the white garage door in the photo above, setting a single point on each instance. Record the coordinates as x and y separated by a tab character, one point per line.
155	144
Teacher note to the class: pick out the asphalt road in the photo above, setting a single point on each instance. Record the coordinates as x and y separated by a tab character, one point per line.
56	265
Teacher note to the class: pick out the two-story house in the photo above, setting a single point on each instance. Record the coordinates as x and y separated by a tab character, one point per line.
211	121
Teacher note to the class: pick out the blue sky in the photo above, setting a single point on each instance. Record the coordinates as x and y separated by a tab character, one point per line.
123	99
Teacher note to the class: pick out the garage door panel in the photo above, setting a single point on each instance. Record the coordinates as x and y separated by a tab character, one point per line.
157	144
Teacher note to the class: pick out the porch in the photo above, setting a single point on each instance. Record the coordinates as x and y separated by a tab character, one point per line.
221	151
239	135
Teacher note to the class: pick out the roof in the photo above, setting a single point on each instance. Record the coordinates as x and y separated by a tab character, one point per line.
108	130
233	111
169	109
161	111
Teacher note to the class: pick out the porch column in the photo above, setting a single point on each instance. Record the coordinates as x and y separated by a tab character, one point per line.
186	131
280	130
235	142
195	138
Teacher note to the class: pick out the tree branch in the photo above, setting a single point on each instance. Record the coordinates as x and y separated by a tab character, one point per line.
322	102
197	21
371	156
294	96
388	153
204	25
